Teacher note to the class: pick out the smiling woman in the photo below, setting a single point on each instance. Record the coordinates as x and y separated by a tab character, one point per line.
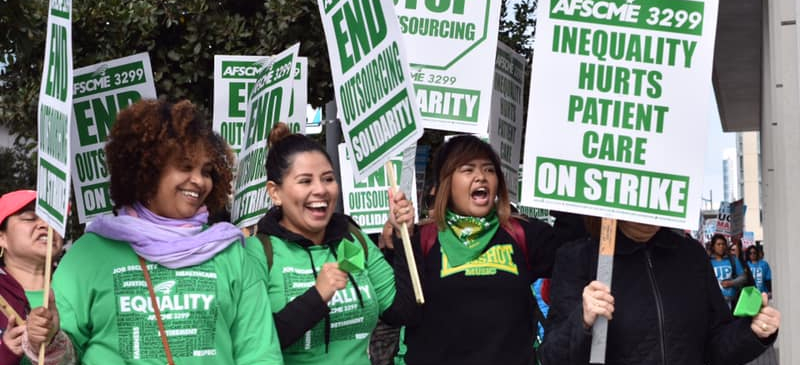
323	315
156	267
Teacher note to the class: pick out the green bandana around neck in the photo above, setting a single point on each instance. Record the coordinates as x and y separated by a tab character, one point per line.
466	237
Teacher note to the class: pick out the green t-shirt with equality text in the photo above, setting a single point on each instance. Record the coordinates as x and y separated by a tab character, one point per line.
351	324
215	313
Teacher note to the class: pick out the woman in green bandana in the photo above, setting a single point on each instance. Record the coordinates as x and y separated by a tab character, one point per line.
477	264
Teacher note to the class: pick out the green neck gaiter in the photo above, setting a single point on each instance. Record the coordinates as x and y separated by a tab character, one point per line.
466	237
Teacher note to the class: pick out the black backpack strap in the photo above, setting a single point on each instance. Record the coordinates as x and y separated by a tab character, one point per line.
266	244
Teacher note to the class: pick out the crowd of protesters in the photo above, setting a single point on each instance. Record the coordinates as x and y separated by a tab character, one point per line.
157	283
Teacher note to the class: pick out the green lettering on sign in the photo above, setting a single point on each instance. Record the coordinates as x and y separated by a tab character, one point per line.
359	27
56	72
612	187
448	103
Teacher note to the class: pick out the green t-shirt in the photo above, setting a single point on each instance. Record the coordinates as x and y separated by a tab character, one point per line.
35	298
351	325
213	313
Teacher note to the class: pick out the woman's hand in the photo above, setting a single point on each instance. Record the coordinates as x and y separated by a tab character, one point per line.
401	210
12	336
43	323
329	280
767	321
597	301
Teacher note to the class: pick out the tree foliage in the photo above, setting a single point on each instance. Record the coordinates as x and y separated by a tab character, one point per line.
182	37
518	28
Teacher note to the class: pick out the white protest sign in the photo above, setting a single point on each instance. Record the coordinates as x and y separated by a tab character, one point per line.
451	48
268	103
54	114
101	91
297	110
730	218
506	118
367	201
234	77
618	94
374	96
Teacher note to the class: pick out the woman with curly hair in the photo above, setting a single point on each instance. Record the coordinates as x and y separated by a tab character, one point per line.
154	283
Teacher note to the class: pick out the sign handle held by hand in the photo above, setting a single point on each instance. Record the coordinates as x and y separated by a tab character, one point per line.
48	264
605	266
412	264
9	311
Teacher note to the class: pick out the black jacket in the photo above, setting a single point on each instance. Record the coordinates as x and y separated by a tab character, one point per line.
668	308
482	313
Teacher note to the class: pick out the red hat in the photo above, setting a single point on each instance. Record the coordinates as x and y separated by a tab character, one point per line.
12	202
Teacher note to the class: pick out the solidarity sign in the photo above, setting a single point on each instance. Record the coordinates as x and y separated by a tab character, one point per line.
234	77
615	131
54	112
267	104
367	202
370	75
451	47
101	91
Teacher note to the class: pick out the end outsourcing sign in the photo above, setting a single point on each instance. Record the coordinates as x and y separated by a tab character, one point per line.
619	102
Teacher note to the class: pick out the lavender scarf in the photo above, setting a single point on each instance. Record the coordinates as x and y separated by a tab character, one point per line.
173	243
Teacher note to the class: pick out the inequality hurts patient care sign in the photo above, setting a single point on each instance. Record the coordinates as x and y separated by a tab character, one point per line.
618	108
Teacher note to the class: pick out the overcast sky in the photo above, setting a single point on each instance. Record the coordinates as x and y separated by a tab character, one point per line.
717	143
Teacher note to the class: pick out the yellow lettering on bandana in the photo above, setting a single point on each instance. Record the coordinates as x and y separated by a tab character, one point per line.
498	257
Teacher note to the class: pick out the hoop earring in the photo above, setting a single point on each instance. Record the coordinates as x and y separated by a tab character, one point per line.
2	251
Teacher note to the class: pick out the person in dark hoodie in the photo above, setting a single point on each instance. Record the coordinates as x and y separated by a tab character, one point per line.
23	247
664	306
322	313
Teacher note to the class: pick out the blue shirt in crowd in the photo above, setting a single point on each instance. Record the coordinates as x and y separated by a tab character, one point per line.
761	273
724	271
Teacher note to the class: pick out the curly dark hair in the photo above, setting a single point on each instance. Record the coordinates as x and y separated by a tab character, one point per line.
143	139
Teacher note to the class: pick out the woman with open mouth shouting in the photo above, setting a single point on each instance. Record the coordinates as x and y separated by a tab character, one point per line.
477	264
154	283
328	283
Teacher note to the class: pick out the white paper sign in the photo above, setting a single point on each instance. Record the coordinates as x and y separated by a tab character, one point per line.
451	47
367	201
55	113
101	91
506	121
268	104
618	94
375	99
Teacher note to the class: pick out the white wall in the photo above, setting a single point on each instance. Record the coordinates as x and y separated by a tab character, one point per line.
780	151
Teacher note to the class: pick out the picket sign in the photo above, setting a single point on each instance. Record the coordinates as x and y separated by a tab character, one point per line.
267	104
616	90
234	77
54	112
374	96
101	91
452	60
